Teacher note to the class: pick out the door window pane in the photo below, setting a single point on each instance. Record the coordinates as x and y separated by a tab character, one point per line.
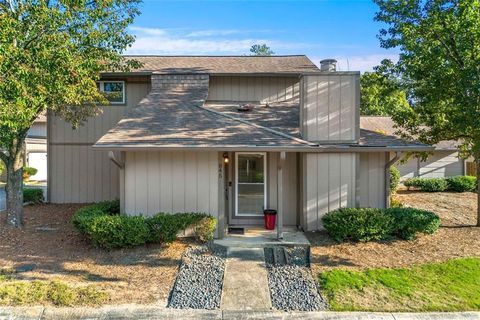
251	184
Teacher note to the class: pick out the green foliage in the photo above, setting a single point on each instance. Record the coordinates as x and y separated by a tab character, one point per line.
427	184
51	55
394	179
410	221
366	224
394	202
28	172
462	183
363	224
446	286
261	50
381	95
18	293
457	184
2	167
33	195
205	229
106	228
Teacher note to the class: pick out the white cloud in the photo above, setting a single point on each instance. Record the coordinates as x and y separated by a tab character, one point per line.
171	42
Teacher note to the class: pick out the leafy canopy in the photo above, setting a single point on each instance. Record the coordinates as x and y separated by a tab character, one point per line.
51	54
381	94
439	66
261	50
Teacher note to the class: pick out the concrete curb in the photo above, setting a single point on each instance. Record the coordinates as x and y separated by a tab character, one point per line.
151	312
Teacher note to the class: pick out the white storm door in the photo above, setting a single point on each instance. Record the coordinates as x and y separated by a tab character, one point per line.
251	183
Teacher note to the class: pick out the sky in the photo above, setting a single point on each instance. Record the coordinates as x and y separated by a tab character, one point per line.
343	29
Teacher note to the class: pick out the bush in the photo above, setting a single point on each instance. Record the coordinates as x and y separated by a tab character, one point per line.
427	184
462	183
366	224
28	172
33	195
394	179
358	224
106	228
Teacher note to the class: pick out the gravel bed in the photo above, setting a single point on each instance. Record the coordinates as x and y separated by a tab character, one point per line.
292	286
200	279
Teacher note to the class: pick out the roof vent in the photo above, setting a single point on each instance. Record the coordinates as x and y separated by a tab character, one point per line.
329	65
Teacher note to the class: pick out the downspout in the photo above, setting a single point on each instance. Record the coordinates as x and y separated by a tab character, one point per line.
281	164
387	177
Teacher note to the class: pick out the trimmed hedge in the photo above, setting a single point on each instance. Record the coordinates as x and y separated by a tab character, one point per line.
394	179
106	228
367	224
457	184
28	172
33	195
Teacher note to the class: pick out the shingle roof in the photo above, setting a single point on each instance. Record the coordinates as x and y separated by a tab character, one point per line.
386	125
297	64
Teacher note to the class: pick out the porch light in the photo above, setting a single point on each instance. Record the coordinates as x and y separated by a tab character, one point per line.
225	158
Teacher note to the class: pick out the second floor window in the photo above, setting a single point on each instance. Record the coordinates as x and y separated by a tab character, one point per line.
114	91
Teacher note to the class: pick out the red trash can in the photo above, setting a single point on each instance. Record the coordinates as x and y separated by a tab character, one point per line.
270	217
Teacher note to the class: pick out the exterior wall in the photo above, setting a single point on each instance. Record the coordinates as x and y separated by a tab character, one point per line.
261	89
329	107
39	129
329	183
180	181
77	173
372	179
440	164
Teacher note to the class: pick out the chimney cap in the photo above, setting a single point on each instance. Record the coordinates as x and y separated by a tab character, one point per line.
328	65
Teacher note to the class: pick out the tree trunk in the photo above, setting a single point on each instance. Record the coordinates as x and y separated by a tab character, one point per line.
477	162
14	190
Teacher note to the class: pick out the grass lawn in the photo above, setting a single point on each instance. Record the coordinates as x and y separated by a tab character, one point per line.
449	286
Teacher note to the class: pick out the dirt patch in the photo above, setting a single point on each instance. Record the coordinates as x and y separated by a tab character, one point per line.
49	241
458	237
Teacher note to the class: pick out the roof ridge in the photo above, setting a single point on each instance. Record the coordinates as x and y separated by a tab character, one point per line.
214	56
282	134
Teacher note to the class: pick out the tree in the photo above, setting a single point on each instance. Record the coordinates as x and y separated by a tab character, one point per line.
439	66
261	50
51	54
381	95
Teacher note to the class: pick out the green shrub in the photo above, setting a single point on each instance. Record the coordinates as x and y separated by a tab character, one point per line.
28	172
410	221
106	228
427	184
394	179
33	195
358	224
118	231
365	224
205	229
462	183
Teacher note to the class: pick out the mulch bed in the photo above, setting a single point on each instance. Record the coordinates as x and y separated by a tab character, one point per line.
458	237
49	241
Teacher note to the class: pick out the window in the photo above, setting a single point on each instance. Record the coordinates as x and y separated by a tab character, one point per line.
250	183
114	91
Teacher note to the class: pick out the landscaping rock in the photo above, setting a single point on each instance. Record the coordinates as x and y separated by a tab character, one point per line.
292	286
199	281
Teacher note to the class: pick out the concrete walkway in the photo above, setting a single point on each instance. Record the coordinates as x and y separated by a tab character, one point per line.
136	312
245	284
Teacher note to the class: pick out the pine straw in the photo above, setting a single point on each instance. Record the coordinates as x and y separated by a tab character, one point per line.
143	274
458	237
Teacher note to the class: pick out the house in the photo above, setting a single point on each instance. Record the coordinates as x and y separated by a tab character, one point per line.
174	139
36	150
443	162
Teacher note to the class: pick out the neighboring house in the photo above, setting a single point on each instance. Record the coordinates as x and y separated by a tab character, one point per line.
36	149
173	140
444	161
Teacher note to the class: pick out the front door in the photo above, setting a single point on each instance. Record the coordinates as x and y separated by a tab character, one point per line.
250	184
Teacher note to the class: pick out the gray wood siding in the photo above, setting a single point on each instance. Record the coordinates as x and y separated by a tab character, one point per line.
180	181
261	89
372	179
77	173
440	164
329	183
329	107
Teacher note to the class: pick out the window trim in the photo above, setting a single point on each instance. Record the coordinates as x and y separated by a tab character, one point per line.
102	82
265	179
